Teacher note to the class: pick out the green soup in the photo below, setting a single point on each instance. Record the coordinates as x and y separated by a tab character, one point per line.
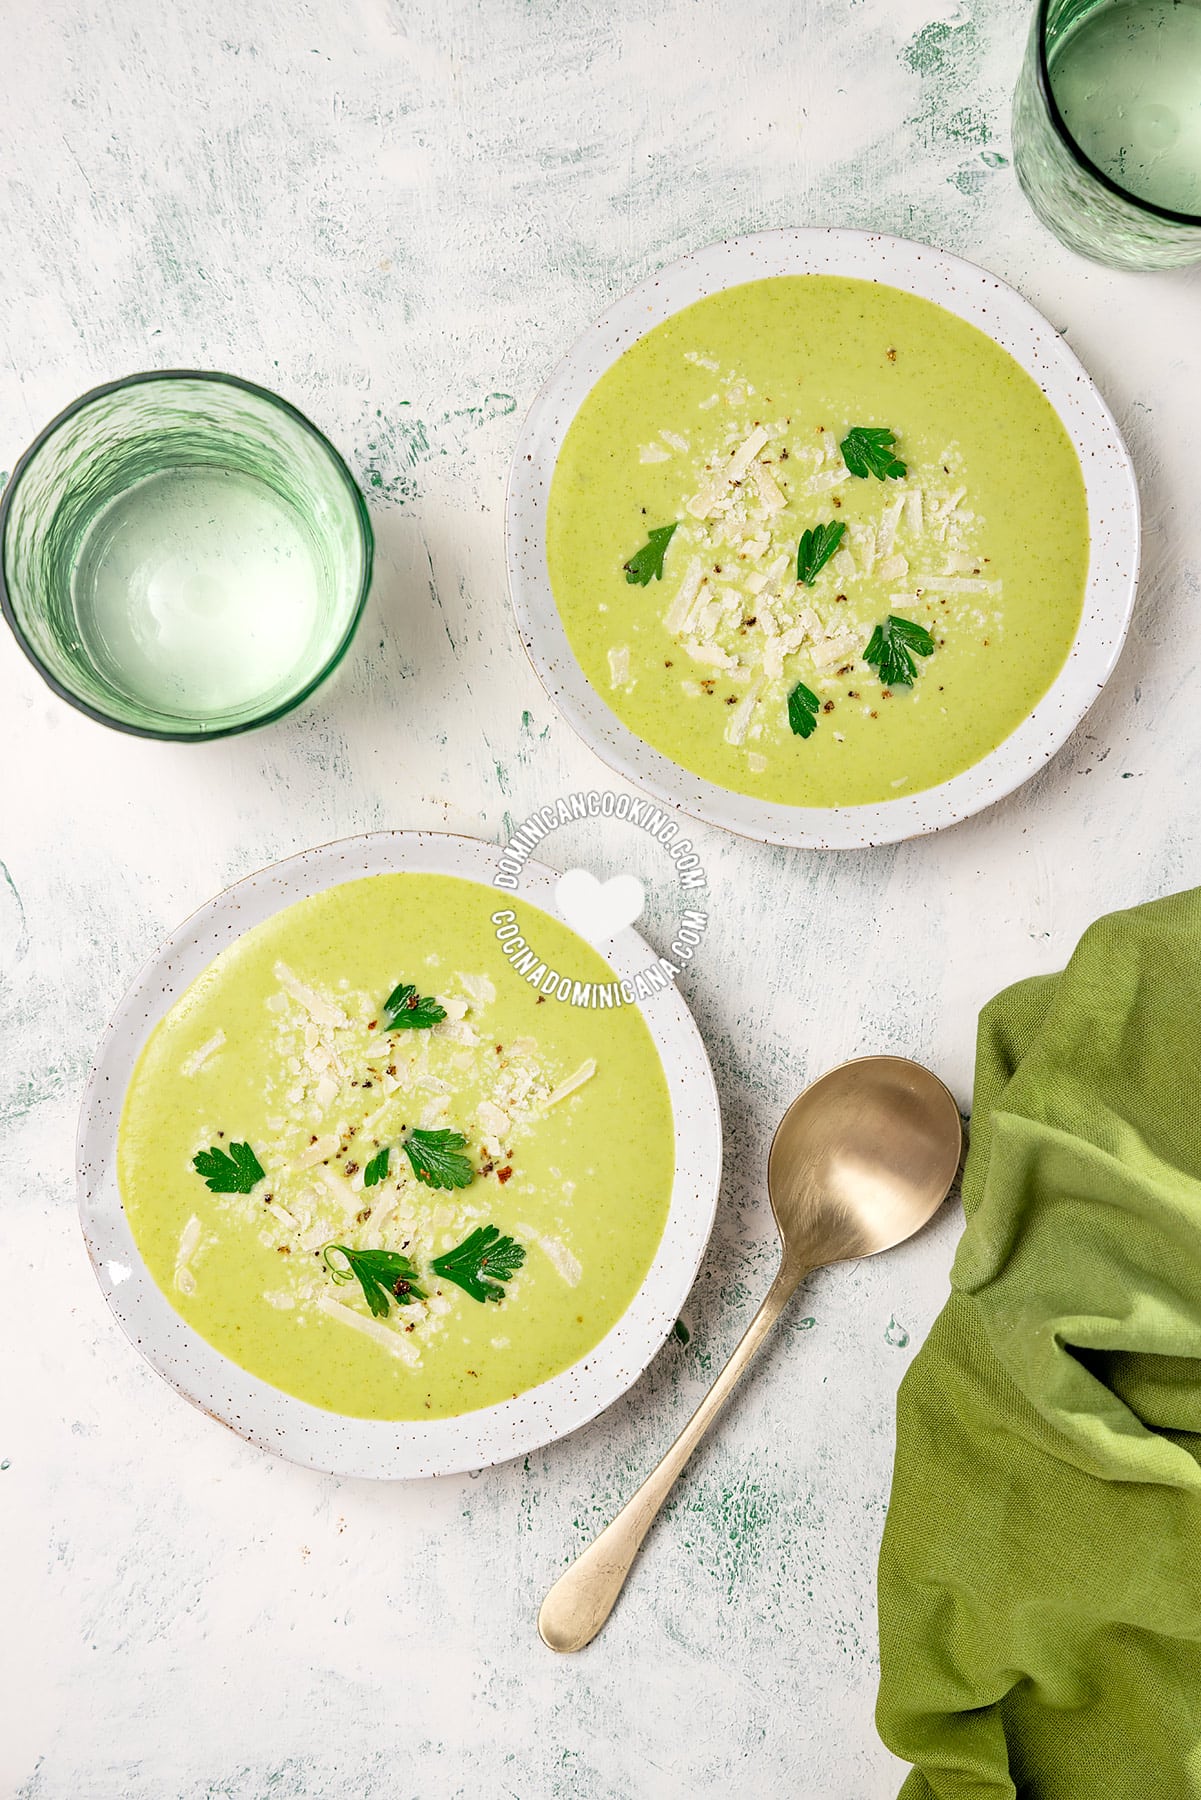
729	421
280	1058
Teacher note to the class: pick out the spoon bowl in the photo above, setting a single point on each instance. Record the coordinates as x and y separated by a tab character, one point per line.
860	1161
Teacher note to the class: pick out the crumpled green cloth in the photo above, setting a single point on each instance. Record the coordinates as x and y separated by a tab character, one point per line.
1040	1575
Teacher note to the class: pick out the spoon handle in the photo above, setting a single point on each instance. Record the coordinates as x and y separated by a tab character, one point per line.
584	1595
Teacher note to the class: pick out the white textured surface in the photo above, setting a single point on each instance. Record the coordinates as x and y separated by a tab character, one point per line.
399	216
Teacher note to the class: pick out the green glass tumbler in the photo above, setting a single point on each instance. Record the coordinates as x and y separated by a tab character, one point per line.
183	555
1107	129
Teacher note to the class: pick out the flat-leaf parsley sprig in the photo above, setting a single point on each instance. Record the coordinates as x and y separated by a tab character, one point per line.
377	1168
385	1276
892	648
646	565
436	1158
803	708
235	1173
867	450
816	548
482	1263
407	1010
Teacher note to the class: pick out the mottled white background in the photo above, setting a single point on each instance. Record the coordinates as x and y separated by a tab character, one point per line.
399	215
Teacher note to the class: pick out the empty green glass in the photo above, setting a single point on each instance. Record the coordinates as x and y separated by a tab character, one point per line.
183	555
1107	128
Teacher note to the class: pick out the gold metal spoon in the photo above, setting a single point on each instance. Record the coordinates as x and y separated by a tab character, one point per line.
860	1161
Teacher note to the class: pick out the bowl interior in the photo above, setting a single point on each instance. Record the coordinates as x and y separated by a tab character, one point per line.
183	554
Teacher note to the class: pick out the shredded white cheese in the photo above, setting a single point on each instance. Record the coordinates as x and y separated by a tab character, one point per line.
193	1064
561	1259
324	1012
478	988
702	505
833	651
886	530
457	1030
826	479
865	543
711	654
686	593
740	718
619	665
493	1122
767	488
570	1083
341	1190
189	1239
699	604
395	1341
317	1152
957	584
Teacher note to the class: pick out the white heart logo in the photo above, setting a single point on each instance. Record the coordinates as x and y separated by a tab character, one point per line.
598	910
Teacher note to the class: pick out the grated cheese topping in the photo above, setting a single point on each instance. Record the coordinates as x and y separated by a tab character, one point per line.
737	611
332	1068
189	1240
193	1064
584	1073
557	1254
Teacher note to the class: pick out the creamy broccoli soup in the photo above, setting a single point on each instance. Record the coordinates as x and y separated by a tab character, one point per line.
819	541
367	1161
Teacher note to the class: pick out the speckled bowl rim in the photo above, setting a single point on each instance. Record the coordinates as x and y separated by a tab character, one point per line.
970	293
387	1449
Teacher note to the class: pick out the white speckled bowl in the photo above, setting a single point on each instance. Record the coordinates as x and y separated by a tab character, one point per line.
984	301
274	1420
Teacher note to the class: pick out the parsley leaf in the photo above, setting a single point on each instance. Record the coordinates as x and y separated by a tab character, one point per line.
816	548
236	1173
482	1263
647	564
890	651
868	450
436	1158
407	1011
383	1275
803	708
377	1168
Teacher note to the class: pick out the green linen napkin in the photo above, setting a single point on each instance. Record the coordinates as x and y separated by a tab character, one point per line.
1040	1576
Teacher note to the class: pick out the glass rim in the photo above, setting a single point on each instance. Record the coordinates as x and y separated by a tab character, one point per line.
1080	156
359	506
